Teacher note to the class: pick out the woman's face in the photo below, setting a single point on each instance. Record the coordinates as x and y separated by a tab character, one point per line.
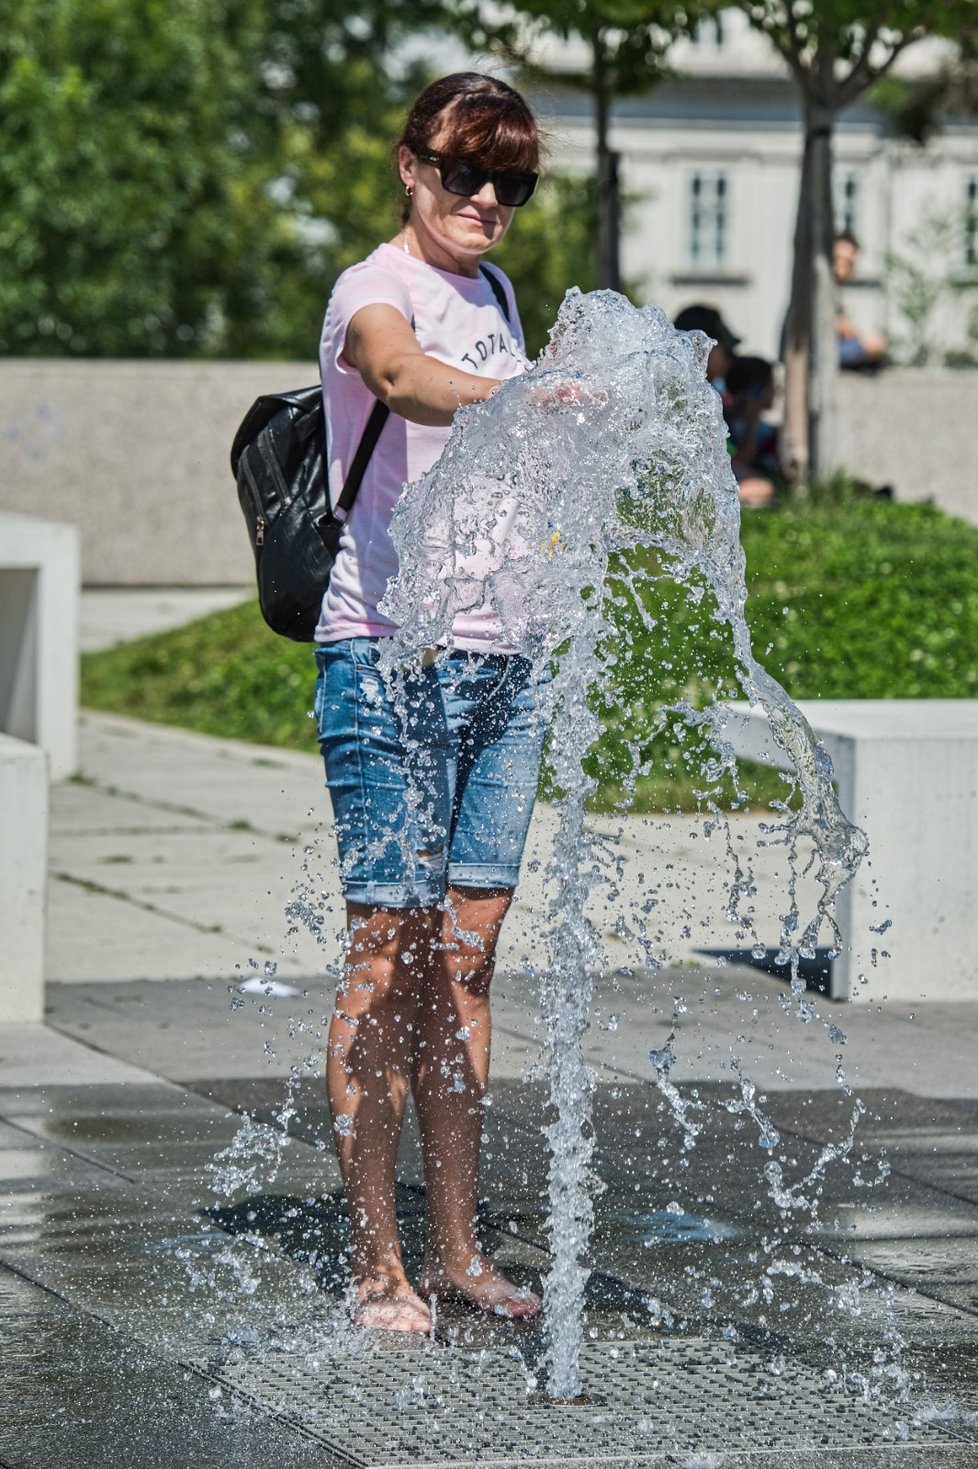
450	228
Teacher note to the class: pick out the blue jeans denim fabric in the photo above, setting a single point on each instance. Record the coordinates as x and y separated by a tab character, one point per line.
437	792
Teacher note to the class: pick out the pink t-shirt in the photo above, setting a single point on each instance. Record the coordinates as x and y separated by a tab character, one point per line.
457	320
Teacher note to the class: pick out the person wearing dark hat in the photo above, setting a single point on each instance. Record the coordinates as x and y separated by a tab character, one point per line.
700	318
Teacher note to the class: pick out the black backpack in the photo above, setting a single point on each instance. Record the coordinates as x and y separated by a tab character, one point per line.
278	459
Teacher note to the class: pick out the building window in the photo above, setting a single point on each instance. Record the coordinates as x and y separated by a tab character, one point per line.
847	202
709	32
971	221
709	219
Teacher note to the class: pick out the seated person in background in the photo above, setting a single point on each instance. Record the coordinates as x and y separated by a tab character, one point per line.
699	318
753	442
857	350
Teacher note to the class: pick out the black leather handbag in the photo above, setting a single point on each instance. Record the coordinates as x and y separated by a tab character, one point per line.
278	460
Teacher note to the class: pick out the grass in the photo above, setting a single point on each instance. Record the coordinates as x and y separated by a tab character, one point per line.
859	598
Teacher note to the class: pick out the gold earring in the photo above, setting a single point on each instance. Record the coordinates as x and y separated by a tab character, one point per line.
409	190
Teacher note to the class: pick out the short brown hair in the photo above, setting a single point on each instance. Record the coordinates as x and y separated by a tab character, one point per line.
486	120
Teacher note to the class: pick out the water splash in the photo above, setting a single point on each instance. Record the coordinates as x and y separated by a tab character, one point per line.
613	440
663	1061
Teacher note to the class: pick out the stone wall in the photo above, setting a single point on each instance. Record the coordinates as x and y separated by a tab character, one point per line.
917	430
136	454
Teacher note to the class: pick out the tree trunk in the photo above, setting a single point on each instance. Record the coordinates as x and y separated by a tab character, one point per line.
823	437
810	350
798	334
608	268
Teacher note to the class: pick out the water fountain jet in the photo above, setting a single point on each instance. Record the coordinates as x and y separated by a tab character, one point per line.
612	440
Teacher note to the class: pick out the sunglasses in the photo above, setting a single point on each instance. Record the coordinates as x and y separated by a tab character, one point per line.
512	186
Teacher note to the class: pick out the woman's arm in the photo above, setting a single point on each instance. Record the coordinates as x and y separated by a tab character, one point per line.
382	347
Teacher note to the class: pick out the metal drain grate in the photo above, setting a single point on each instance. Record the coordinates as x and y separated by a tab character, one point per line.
432	1406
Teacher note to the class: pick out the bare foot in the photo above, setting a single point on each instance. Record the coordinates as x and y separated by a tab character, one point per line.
383	1307
481	1286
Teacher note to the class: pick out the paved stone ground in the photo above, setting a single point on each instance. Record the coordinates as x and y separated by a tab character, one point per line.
149	1319
172	1233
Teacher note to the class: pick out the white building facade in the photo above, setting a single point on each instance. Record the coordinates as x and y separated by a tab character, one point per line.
709	167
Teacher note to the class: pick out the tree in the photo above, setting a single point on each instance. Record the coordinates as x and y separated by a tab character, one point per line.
189	178
921	274
919	106
128	215
836	50
627	41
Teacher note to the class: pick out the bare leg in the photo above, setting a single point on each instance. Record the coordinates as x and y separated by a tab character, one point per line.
450	1074
367	1077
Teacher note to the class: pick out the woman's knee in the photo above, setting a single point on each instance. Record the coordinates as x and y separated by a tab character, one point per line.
470	931
386	950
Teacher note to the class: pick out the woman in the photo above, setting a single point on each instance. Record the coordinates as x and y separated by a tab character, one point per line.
431	835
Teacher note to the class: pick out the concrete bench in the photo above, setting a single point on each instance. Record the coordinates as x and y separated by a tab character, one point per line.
907	772
39	611
23	874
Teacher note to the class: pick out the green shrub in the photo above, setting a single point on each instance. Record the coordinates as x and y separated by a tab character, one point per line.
855	598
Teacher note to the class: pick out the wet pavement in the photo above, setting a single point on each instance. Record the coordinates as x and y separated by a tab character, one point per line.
171	1261
172	1232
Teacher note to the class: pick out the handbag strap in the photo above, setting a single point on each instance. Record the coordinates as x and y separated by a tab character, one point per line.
378	417
497	290
380	413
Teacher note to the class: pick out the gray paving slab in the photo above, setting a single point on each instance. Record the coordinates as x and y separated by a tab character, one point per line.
77	1394
179	862
94	935
82	807
723	1177
112	615
33	1056
110	1115
273	791
240	791
279	794
123	1255
199	1029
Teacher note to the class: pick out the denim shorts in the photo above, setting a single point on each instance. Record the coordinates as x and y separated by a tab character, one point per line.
434	788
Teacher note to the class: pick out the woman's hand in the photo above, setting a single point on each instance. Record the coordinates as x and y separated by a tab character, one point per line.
568	394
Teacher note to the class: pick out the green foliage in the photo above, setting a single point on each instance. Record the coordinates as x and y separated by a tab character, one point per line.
190	178
129	220
882	601
850	30
549	247
226	674
918	106
628	39
926	269
848	598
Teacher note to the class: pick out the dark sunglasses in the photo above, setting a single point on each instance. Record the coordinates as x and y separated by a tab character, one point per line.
512	186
